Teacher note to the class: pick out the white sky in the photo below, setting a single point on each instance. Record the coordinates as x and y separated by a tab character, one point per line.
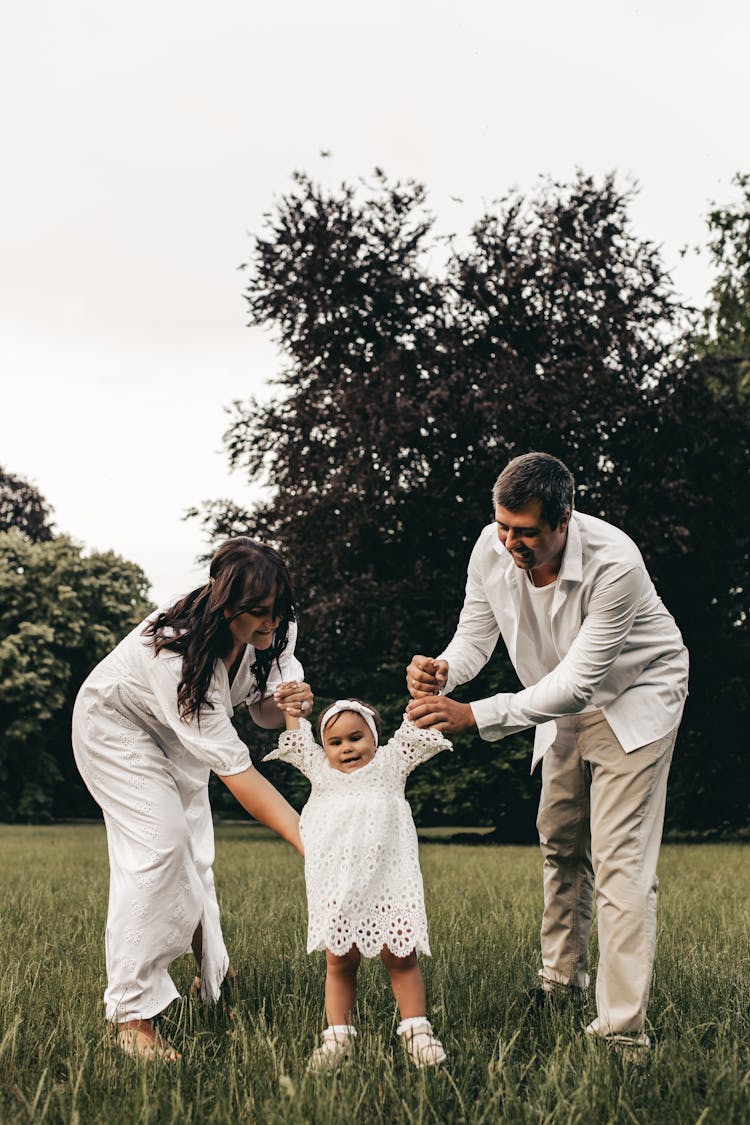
140	144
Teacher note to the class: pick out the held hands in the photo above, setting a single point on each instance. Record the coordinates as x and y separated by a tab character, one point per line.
295	700
424	679
426	676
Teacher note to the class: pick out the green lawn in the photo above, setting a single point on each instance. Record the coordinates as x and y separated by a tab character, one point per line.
506	1063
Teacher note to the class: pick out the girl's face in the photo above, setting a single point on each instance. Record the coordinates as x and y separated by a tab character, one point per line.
348	742
256	624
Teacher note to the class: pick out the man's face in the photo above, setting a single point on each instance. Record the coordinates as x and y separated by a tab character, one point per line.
531	541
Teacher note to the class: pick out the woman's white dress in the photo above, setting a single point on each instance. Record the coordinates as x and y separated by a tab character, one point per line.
364	885
148	769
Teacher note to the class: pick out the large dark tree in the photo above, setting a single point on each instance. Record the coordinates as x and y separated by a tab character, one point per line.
24	508
406	390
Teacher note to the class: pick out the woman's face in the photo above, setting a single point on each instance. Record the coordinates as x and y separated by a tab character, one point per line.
256	624
348	742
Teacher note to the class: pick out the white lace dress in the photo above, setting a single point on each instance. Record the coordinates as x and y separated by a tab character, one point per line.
364	885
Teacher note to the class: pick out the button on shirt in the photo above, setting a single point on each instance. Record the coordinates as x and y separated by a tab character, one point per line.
616	645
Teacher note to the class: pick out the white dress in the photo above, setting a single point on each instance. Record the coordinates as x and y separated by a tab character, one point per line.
148	769
364	885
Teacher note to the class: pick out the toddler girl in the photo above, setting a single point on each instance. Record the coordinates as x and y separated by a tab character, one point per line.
364	886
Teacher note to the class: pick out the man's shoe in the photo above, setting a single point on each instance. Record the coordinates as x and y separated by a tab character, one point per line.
633	1047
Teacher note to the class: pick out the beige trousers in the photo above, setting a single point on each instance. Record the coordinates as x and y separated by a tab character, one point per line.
600	821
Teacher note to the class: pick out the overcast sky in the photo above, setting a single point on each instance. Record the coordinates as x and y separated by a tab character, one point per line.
142	143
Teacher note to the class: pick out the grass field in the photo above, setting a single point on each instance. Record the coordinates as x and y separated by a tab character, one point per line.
506	1062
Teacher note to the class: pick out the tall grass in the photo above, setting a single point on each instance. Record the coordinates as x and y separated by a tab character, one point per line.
247	1063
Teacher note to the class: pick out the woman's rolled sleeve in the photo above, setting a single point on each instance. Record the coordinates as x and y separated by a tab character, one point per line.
211	738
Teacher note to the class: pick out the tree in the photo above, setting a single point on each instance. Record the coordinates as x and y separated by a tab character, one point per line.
405	392
60	613
24	508
726	336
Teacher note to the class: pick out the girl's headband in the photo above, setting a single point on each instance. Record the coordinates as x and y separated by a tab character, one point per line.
349	705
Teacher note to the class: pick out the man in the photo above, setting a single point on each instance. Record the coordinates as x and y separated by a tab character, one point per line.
605	674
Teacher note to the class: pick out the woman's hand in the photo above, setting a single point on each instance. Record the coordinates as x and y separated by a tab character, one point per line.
294	699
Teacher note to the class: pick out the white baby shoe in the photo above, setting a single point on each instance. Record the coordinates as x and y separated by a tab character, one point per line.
422	1045
336	1049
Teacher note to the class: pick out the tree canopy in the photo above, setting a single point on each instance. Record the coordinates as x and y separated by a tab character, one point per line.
24	508
407	388
61	611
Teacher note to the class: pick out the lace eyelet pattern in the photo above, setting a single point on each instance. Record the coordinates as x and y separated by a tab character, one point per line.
364	884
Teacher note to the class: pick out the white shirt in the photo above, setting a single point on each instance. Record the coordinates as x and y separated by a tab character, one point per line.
536	623
134	681
618	648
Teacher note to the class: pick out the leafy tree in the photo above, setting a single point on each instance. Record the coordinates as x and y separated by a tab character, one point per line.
23	507
705	560
726	338
406	391
60	612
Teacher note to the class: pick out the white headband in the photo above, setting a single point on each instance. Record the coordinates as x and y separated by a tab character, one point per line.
349	705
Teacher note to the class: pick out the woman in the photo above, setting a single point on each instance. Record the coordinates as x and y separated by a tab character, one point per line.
150	723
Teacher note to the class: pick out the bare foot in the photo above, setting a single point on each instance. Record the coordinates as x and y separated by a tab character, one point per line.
140	1040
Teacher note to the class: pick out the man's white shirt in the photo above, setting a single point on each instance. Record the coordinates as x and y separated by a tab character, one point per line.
616	645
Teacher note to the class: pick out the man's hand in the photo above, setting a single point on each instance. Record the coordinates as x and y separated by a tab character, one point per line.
441	713
425	676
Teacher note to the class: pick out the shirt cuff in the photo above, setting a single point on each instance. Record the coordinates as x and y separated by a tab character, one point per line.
451	681
485	712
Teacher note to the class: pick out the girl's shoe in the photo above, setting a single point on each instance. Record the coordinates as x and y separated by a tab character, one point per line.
422	1045
336	1049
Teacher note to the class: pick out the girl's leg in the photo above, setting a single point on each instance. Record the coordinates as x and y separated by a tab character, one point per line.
422	1045
406	982
341	992
341	986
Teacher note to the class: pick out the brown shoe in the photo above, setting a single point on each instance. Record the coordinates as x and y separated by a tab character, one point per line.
139	1040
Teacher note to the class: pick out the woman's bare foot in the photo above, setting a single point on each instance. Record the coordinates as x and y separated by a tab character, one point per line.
140	1040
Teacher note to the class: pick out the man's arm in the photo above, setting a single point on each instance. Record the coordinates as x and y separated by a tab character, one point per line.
569	687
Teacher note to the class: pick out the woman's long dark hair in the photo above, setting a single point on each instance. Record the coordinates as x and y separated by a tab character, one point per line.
242	575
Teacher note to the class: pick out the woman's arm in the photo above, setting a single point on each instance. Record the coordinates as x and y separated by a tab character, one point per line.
258	797
289	699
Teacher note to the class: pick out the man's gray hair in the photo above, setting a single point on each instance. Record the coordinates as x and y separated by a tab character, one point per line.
536	476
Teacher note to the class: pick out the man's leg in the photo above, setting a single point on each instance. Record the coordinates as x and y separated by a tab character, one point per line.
628	795
564	837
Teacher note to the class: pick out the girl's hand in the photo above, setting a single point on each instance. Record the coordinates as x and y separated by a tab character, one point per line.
294	699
